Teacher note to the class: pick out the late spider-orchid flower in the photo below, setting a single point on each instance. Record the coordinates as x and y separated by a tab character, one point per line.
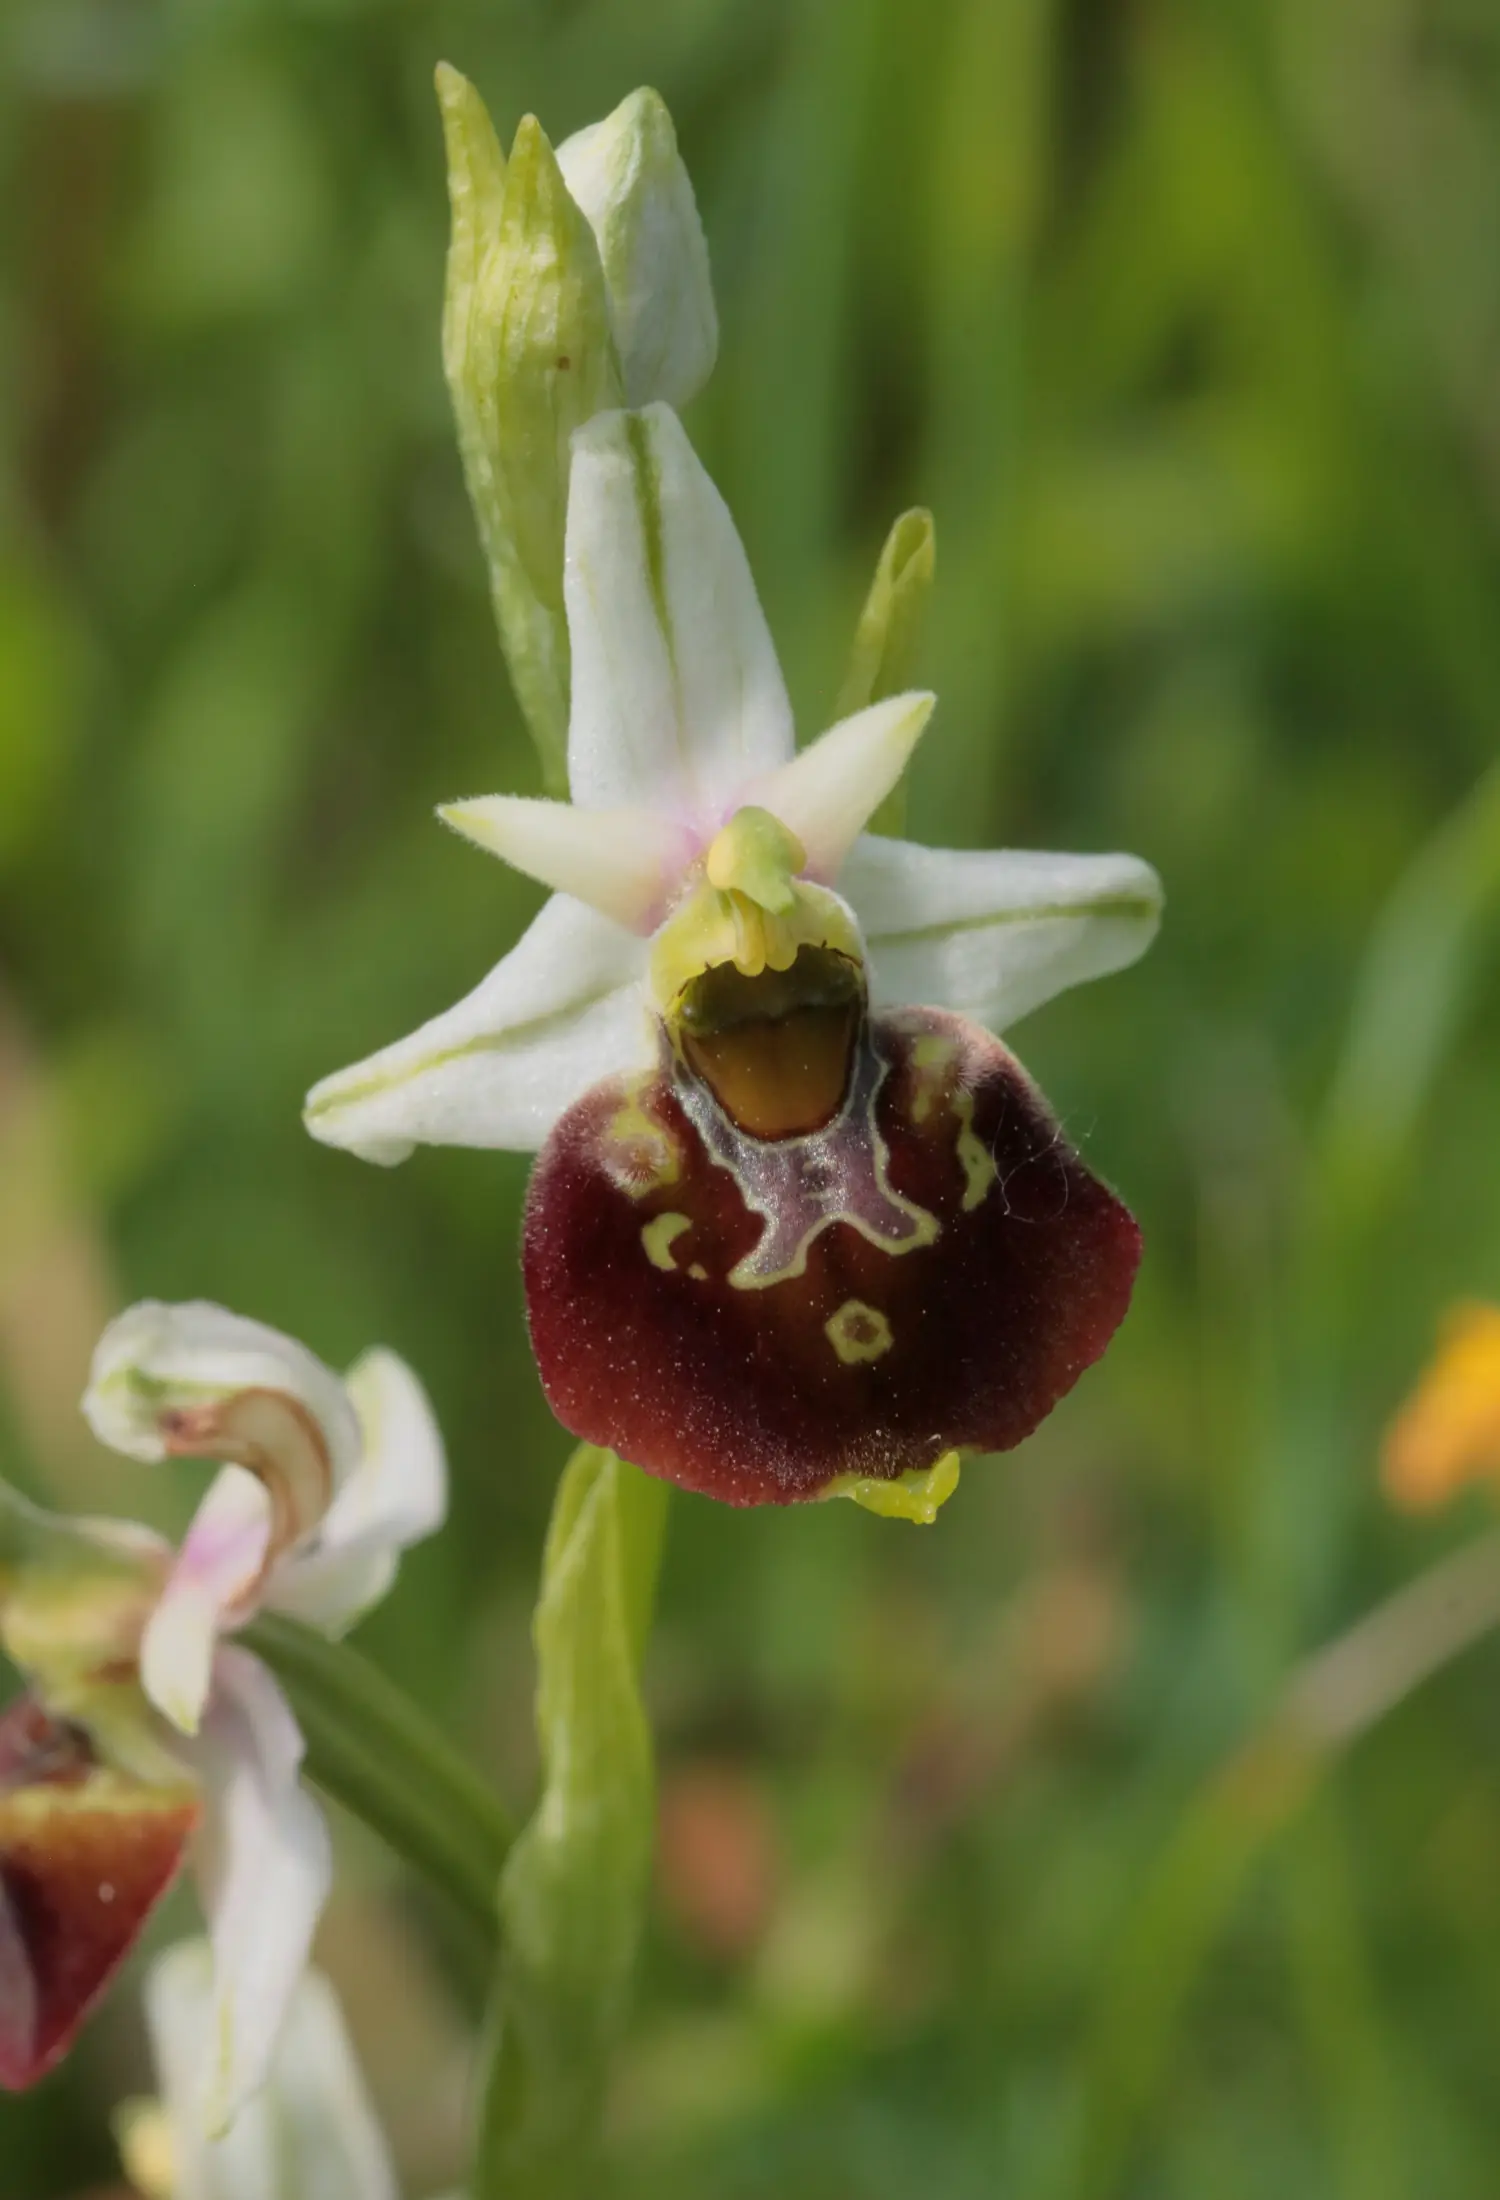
144	1721
789	1233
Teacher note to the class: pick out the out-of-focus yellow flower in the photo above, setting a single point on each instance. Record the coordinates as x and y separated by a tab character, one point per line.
1447	1435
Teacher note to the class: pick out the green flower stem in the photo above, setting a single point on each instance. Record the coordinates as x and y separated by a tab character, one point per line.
574	1887
373	1750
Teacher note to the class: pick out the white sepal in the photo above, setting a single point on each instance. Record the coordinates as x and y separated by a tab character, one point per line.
678	700
264	1869
562	1010
397	1496
993	934
310	2132
158	1370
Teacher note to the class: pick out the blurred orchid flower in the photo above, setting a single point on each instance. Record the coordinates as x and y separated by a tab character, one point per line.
141	1703
831	1238
310	2133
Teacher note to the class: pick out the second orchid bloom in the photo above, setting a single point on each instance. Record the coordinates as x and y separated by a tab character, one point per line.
800	1223
147	1730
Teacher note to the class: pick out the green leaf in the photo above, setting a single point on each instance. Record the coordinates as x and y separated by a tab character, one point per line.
884	655
376	1752
572	1893
529	357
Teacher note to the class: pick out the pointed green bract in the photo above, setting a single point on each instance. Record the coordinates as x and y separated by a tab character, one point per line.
529	357
886	640
572	1891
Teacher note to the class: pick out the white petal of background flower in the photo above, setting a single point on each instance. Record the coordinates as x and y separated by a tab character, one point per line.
628	177
398	1495
219	1563
561	1011
264	1867
310	2135
624	863
158	1359
678	701
993	934
828	794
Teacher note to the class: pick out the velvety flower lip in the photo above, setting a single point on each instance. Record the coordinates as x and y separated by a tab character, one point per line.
928	1280
680	723
322	1482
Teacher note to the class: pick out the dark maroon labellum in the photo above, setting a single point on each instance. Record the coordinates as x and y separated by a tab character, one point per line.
85	1856
754	1317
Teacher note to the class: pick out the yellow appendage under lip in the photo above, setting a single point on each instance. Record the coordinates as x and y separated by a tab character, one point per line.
919	1495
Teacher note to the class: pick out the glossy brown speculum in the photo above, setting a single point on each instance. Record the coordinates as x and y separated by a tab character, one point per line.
775	1049
931	1268
85	1856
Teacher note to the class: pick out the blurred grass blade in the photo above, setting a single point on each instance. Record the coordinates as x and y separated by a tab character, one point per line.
1330	1701
572	1892
1414	986
372	1749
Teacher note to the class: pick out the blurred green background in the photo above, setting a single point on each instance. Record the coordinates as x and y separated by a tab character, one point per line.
1184	315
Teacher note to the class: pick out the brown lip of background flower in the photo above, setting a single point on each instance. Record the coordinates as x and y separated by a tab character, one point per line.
871	1359
85	1856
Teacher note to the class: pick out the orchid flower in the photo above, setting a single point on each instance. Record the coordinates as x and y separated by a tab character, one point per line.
310	2133
145	1720
800	1223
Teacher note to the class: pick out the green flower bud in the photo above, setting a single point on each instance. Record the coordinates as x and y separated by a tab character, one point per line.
529	357
627	175
576	282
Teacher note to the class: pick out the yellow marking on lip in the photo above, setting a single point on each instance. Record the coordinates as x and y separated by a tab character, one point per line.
640	1155
919	1495
658	1236
858	1332
931	1059
974	1156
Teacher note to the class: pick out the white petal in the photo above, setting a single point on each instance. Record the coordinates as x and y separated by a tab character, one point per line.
561	1011
629	179
828	794
995	933
264	1869
218	1567
624	863
312	2131
158	1370
398	1495
678	701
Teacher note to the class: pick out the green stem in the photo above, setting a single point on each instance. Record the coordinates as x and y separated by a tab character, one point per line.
373	1750
574	1888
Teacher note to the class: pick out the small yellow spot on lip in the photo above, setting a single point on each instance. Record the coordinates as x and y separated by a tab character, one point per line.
858	1332
658	1237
